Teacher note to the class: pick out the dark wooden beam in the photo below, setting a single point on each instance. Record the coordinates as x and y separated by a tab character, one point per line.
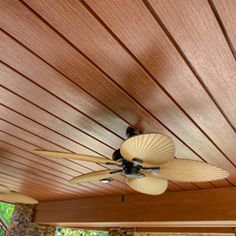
201	208
185	230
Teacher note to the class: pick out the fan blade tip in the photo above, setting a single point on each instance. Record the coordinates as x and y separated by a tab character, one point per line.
32	202
72	181
227	174
18	198
179	170
4	189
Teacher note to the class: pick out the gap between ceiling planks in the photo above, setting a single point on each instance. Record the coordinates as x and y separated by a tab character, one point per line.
127	49
187	184
208	137
58	168
10	130
202	33
63	179
217	8
24	121
187	61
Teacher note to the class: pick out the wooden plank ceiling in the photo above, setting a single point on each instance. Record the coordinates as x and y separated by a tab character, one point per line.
75	74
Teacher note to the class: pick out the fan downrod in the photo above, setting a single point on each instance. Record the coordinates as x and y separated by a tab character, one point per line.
132	131
116	156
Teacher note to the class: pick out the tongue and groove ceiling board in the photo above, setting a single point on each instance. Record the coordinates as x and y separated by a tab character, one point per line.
75	74
225	12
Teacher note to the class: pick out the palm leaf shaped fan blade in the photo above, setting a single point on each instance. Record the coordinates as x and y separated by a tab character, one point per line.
148	162
94	176
149	149
185	170
158	150
150	184
12	197
80	157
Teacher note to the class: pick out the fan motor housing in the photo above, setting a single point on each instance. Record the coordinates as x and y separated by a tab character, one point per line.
132	171
132	131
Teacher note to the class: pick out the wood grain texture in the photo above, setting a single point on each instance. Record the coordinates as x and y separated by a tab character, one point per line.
154	50
202	41
39	143
169	114
111	69
209	208
226	11
43	131
122	95
85	70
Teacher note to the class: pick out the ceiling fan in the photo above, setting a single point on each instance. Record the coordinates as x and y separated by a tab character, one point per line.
13	197
147	161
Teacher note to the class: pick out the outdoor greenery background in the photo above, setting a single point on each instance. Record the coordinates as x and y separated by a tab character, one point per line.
6	211
77	232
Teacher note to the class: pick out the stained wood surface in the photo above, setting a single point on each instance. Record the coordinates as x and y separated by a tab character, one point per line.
203	43
225	11
85	70
209	207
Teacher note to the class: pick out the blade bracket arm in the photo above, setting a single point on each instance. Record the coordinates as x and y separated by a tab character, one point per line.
150	169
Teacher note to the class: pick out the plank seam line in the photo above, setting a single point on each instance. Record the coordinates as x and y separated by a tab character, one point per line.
178	48
11	176
66	77
63	148
24	150
53	144
54	116
27	78
187	61
76	187
34	121
38	146
33	134
12	167
70	186
62	36
56	145
29	159
41	175
153	78
150	75
222	27
70	81
103	73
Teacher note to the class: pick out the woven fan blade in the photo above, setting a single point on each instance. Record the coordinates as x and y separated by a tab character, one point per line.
149	184
80	157
94	176
17	198
185	170
152	149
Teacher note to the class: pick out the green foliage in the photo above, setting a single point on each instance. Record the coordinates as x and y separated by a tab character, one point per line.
6	211
78	232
